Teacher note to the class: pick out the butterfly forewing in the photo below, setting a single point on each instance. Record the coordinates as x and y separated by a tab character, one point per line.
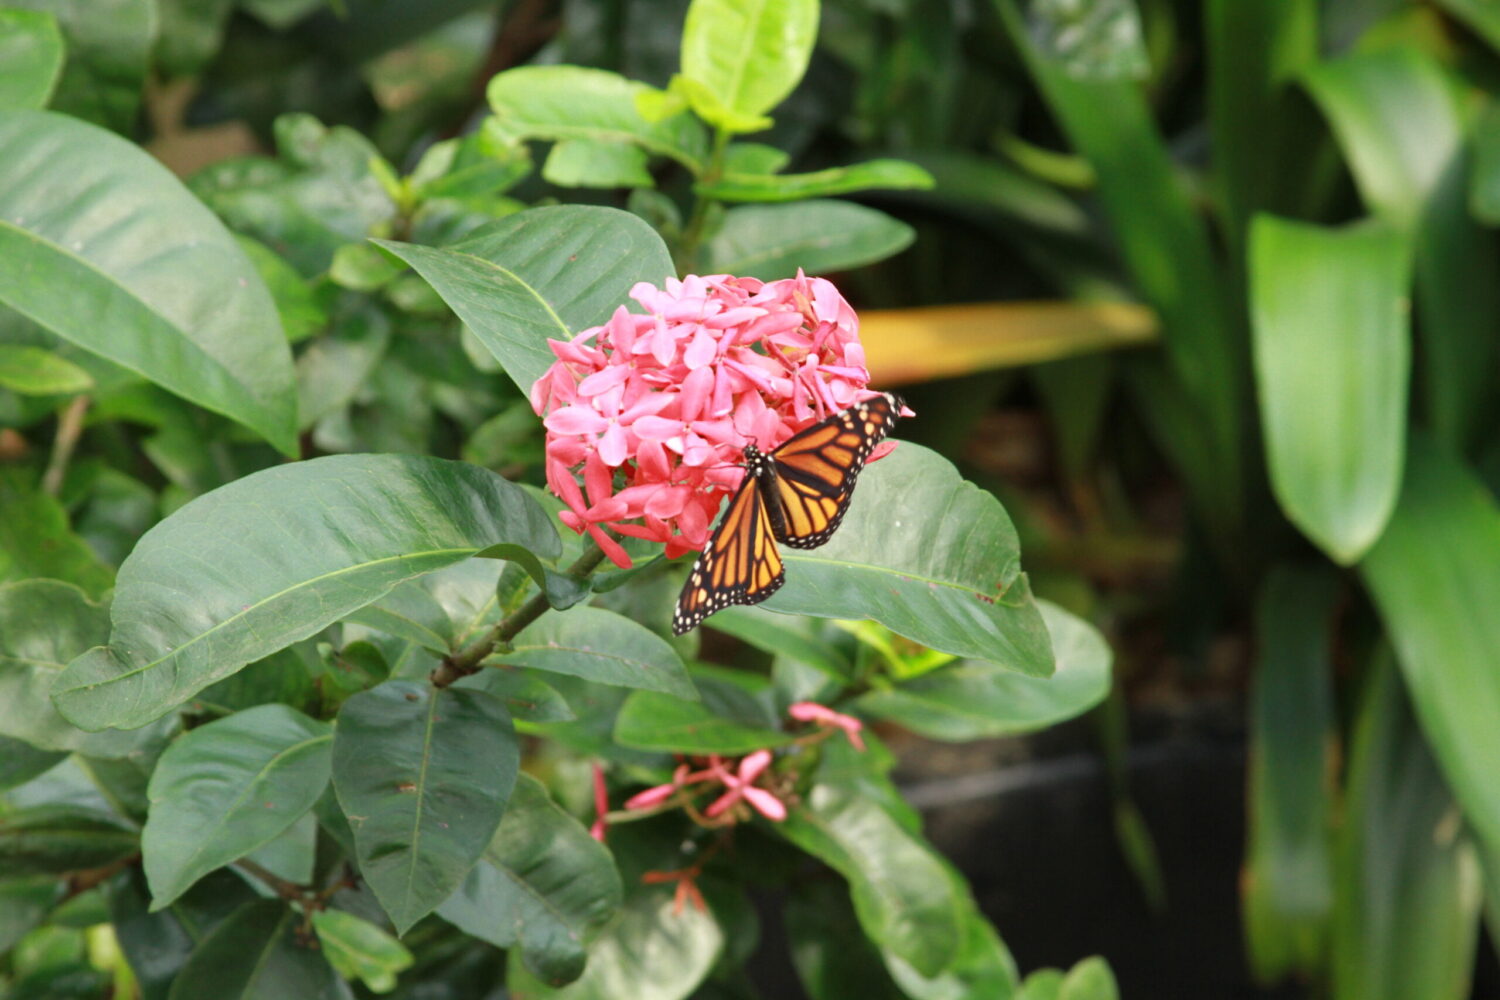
739	566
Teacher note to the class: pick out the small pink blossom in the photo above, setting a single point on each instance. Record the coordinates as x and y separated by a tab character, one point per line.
654	410
741	788
811	711
601	805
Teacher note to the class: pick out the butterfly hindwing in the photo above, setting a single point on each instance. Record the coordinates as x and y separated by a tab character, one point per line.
739	566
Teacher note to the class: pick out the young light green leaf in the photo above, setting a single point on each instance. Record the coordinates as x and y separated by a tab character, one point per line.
277	556
225	789
972	699
597	164
31	58
34	371
548	272
772	241
424	775
1332	362
358	949
929	556
602	647
541	886
113	282
874	174
745	56
258	954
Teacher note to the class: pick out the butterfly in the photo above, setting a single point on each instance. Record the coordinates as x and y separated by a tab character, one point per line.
797	494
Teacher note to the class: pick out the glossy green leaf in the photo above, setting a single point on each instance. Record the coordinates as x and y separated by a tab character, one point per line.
548	272
983	966
929	556
31	58
652	721
972	699
1332	363
603	647
33	371
1287	890
342	530
258	954
833	958
358	949
158	945
292	853
1431	574
872	175
225	789
35	540
595	164
43	625
570	102
745	55
525	696
423	775
782	637
108	49
648	952
57	839
113	282
772	241
902	893
1406	911
541	886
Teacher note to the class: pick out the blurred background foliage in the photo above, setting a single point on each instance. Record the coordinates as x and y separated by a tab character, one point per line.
1229	297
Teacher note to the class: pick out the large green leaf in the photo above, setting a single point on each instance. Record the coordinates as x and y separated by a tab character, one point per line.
259	953
650	951
108	48
544	273
541	886
423	775
102	234
1332	363
35	540
929	556
570	102
359	949
1406	910
43	625
57	839
876	174
744	56
1434	576
20	762
225	789
31	57
603	647
718	723
1288	886
901	890
772	241
275	557
972	699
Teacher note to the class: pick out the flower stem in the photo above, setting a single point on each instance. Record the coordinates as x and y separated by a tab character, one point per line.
467	660
686	257
69	427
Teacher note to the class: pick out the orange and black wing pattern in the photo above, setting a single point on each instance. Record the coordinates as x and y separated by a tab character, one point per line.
815	470
740	564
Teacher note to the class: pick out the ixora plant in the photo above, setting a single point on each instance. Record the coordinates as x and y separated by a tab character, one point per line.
304	727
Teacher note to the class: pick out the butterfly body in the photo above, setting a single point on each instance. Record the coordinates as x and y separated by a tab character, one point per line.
797	494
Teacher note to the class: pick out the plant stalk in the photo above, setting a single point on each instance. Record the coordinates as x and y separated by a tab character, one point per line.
69	428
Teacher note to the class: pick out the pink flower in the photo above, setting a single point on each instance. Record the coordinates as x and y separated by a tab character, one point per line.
741	788
811	711
601	805
658	794
654	410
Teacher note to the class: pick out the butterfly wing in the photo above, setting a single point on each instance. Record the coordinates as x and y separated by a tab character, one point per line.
740	565
815	469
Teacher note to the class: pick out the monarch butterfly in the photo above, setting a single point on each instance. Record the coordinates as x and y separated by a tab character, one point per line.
797	495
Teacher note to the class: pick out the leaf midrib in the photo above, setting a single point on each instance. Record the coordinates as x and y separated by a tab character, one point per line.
415	851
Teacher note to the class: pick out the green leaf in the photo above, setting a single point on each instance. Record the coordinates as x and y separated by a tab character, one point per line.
745	56
114	282
24	903
31	58
43	625
772	241
258	954
1484	181
423	775
570	102
302	315
1287	890
775	634
292	853
58	839
548	272
983	967
1332	362
648	952
833	958
33	371
1101	40
362	267
602	647
1430	574
652	721
901	890
972	700
276	557
358	949
597	164
189	34
541	886
1090	979
874	174
20	762
1482	17
108	46
1406	908
158	945
929	556
225	789
35	539
333	369
525	696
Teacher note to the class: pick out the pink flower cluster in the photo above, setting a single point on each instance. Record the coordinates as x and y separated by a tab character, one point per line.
655	410
739	786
